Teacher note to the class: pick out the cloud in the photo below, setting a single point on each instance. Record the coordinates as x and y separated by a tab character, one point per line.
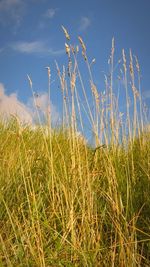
29	47
35	47
11	12
41	102
10	106
85	22
50	13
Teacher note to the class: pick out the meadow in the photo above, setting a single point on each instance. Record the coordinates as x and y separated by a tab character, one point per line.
68	202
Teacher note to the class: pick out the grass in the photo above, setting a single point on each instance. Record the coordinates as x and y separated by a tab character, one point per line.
65	202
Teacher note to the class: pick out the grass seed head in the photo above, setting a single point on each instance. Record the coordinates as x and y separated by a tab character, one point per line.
84	55
30	81
113	47
137	64
66	33
82	44
93	61
124	61
94	91
48	71
73	81
67	49
77	49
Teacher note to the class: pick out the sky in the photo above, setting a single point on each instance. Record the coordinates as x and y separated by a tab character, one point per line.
32	38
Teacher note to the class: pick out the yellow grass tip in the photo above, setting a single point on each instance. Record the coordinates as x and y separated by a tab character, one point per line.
65	32
82	43
30	81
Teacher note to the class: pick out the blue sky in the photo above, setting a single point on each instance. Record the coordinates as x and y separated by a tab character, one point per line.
32	38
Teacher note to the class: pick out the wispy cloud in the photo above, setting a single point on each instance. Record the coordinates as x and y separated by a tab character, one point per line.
85	22
10	106
36	47
11	12
29	47
57	52
50	13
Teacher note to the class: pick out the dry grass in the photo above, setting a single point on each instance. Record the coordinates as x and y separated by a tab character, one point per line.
64	202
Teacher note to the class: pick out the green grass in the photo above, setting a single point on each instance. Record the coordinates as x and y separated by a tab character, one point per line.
64	202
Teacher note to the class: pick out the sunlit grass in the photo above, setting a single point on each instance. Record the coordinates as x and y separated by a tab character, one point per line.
66	202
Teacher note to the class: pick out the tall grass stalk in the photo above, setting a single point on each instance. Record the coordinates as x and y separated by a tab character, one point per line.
67	202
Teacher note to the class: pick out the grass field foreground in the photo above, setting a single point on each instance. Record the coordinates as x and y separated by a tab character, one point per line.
65	202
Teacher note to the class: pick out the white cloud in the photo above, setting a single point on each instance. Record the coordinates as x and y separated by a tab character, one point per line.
35	47
29	47
85	22
50	13
58	52
42	104
10	106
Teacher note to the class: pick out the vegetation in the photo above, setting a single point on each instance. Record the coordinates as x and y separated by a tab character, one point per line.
65	202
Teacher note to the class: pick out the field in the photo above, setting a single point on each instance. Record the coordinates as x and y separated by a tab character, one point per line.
67	202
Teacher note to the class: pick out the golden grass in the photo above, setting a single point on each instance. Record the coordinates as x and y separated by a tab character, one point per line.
65	202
